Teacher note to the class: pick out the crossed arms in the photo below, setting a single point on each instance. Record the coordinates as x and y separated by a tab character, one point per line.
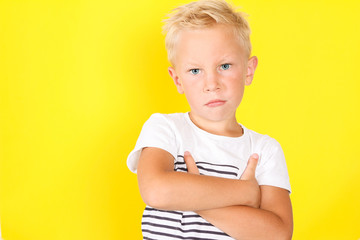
239	208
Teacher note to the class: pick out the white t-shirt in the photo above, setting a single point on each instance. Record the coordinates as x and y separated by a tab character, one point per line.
215	155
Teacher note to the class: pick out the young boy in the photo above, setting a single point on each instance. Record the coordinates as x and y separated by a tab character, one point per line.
202	174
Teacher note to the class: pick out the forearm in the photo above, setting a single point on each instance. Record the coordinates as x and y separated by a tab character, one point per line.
189	192
162	188
242	222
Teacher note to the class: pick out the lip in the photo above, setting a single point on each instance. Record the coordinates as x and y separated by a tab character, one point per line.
215	103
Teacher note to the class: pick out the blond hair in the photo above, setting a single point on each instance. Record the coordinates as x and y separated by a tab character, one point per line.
204	14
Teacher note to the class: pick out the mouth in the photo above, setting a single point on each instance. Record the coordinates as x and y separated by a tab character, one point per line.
215	103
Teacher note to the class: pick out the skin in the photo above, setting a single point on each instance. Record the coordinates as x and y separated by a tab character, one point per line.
211	69
273	216
208	53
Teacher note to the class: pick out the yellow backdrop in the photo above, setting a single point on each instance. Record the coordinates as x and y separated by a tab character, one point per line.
79	79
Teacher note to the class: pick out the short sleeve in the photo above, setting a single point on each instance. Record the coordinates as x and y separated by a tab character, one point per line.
156	132
272	169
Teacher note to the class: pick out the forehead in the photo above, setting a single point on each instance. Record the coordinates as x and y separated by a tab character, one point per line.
208	44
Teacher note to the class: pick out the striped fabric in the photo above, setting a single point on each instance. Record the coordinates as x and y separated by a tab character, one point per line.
166	225
215	155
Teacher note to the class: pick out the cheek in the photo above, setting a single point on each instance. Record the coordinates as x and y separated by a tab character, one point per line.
192	85
236	83
236	88
235	76
192	95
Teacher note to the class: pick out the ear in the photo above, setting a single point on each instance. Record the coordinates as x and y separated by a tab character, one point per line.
176	79
251	67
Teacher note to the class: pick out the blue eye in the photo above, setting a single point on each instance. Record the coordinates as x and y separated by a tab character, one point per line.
195	71
225	66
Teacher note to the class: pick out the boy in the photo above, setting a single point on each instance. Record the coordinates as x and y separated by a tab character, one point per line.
202	174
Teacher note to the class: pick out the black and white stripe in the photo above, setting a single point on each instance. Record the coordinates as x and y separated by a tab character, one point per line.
210	169
174	225
159	224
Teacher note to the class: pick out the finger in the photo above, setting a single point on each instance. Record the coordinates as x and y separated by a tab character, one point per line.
250	168
190	163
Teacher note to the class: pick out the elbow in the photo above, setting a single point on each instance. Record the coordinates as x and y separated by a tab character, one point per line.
279	235
284	236
156	196
153	199
279	231
289	233
285	233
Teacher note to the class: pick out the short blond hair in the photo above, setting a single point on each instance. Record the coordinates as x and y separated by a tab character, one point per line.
204	14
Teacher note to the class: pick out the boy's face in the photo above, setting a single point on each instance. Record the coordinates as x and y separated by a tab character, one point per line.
210	67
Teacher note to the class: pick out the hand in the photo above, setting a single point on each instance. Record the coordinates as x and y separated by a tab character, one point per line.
190	164
249	176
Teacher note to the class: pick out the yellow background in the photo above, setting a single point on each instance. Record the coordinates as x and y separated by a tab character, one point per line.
79	79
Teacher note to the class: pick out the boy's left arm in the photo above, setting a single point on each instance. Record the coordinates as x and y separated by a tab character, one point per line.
272	220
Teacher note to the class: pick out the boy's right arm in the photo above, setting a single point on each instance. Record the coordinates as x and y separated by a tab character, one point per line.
163	188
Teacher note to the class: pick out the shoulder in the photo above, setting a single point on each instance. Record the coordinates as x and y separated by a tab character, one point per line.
262	140
172	120
170	117
272	169
159	131
163	125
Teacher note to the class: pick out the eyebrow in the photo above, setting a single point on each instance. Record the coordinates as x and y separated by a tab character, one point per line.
224	59
189	65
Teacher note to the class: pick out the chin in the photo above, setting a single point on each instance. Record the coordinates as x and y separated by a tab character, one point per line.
216	116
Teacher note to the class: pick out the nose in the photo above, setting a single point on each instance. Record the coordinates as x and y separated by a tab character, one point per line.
212	82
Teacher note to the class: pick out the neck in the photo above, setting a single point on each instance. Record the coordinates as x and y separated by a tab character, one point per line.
228	127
